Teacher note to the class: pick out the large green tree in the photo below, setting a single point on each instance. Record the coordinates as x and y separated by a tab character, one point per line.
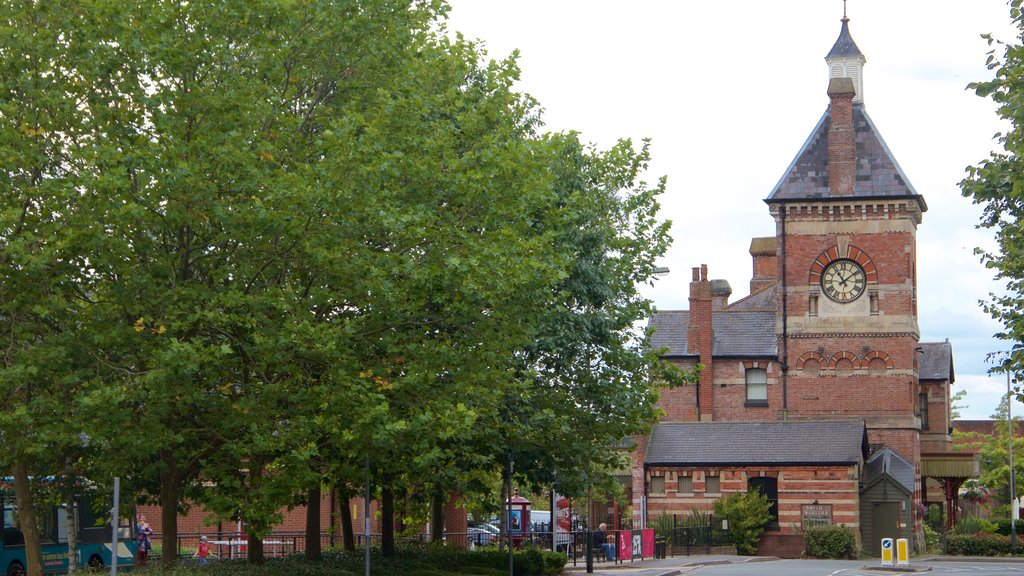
268	239
997	185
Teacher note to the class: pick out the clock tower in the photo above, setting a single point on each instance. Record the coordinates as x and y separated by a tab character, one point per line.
846	223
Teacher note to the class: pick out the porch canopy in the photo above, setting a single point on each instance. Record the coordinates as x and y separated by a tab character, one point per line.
951	469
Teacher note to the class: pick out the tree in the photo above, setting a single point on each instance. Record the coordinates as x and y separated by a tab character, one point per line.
748	514
279	237
996	185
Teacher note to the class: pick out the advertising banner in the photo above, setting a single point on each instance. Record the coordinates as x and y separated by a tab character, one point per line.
647	543
625	545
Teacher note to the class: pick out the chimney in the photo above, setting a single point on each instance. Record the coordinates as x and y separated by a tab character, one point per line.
720	292
700	337
842	151
762	252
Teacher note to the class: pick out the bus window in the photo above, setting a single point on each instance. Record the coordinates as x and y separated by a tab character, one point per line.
12	535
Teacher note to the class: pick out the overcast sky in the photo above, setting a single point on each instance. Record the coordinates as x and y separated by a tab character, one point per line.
729	91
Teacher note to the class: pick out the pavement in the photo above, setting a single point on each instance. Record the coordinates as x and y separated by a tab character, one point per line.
660	567
683	564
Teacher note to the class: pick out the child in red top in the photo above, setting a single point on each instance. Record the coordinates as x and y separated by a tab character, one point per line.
203	552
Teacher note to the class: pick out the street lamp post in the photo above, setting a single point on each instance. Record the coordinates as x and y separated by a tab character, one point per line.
1013	476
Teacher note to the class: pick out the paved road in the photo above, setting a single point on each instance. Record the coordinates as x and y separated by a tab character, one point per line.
744	566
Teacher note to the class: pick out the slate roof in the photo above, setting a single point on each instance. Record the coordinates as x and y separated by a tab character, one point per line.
794	443
937	361
878	173
885	461
763	300
747	333
670	331
844	46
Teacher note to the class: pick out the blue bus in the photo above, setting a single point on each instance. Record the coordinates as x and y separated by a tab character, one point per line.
94	535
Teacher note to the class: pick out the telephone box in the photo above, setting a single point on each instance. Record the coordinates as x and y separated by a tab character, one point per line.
518	517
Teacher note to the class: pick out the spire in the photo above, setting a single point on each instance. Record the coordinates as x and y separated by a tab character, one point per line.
845	60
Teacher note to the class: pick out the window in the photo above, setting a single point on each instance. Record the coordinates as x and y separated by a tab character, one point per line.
922	400
812	305
769	488
657	485
712	485
757	387
685	485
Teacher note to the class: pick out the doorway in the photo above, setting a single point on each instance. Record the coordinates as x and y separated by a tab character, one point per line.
885	519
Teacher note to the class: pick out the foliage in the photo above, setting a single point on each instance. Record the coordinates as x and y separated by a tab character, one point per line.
249	243
662	524
974	525
748	514
1003	526
978	544
830	542
933	539
956	403
997	185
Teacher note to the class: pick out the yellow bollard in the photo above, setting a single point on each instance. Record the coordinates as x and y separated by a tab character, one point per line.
887	551
903	552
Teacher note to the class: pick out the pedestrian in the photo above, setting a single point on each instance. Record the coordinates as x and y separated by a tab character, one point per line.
142	532
601	541
203	551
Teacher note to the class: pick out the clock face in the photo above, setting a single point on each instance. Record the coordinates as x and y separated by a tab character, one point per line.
843	281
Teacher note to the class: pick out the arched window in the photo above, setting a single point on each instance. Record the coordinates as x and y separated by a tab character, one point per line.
757	387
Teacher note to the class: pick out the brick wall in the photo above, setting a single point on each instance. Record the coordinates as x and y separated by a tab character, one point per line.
833	486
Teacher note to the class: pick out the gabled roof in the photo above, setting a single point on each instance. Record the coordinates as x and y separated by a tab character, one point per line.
747	333
887	462
839	442
936	361
878	173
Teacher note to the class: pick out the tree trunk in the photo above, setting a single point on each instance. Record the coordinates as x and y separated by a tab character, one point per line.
313	547
27	519
69	512
387	519
169	486
347	537
256	550
437	517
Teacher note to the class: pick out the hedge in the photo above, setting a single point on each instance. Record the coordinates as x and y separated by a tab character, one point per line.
831	542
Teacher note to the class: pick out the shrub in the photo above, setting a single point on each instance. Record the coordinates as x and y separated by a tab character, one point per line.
748	514
662	525
977	545
974	525
831	542
932	539
1003	527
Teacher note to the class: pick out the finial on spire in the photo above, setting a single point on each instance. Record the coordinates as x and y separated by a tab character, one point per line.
844	10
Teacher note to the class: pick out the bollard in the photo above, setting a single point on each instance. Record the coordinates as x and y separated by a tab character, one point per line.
887	552
903	552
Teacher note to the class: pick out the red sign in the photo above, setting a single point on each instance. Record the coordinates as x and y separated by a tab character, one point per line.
625	545
647	545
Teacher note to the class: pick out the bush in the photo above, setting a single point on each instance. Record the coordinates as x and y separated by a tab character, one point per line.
932	539
831	542
978	545
1003	526
748	514
974	525
662	525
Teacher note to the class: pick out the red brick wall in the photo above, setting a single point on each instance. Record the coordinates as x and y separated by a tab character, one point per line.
798	486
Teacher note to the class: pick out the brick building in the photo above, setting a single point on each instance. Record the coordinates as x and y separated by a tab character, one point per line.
816	389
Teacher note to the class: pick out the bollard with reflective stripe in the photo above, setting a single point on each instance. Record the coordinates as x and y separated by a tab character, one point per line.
887	545
903	552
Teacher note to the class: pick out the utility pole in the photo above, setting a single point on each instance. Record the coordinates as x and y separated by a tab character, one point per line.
1013	476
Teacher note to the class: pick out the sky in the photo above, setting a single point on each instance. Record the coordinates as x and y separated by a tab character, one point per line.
728	92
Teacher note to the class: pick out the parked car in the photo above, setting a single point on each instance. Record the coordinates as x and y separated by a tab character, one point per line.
481	537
